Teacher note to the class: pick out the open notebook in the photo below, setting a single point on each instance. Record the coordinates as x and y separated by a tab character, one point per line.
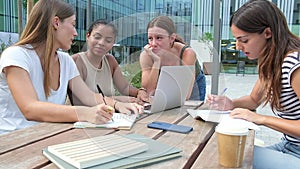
218	116
120	121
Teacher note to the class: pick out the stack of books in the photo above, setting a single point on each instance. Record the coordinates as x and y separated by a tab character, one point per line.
110	151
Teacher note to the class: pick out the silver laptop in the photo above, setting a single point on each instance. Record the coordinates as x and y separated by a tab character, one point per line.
172	88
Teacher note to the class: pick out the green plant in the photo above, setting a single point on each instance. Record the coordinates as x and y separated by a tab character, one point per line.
25	3
132	73
136	80
207	39
4	45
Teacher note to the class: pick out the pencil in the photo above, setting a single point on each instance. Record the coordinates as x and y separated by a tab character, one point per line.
100	91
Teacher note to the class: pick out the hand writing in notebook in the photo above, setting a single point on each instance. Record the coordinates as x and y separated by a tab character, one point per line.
109	108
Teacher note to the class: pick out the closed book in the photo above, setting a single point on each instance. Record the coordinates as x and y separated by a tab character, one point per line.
97	150
156	152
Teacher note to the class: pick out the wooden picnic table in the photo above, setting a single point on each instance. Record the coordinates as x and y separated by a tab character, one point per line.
23	148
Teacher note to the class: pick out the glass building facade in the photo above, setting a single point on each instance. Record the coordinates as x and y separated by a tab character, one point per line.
8	23
193	18
131	18
203	14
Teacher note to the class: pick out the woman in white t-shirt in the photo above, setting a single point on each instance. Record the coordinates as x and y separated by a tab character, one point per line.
35	74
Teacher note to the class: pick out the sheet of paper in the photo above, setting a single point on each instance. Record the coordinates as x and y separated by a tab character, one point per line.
119	121
192	102
218	116
208	115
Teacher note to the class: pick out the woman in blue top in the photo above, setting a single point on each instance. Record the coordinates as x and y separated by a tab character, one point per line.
166	48
262	33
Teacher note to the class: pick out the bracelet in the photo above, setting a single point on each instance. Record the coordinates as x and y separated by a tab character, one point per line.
115	105
143	89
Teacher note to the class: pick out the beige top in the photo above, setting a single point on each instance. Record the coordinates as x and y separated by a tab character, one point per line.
101	76
95	76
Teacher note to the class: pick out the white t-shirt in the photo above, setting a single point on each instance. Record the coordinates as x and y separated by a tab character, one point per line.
11	117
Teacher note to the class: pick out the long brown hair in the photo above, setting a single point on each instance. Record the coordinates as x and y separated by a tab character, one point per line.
39	30
167	24
254	17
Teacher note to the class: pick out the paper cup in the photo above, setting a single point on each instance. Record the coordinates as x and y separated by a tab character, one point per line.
231	144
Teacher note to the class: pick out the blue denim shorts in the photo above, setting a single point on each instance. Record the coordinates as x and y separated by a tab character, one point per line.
286	147
283	155
199	88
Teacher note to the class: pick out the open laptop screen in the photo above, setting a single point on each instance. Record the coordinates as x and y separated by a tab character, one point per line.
173	85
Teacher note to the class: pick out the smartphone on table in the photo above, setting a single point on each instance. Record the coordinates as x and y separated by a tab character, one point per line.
170	127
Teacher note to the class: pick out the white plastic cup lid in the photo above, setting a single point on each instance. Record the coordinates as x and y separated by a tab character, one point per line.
232	129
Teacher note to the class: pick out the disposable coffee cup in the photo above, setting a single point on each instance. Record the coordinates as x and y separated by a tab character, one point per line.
231	144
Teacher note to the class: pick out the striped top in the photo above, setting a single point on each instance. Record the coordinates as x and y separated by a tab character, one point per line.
288	98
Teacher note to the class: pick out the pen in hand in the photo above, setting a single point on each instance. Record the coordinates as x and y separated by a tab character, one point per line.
100	91
215	101
223	92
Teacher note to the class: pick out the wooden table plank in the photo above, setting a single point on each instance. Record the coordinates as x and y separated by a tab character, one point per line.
140	127
31	154
170	116
30	135
208	158
188	143
17	152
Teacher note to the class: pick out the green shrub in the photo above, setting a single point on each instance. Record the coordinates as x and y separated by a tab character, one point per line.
132	73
